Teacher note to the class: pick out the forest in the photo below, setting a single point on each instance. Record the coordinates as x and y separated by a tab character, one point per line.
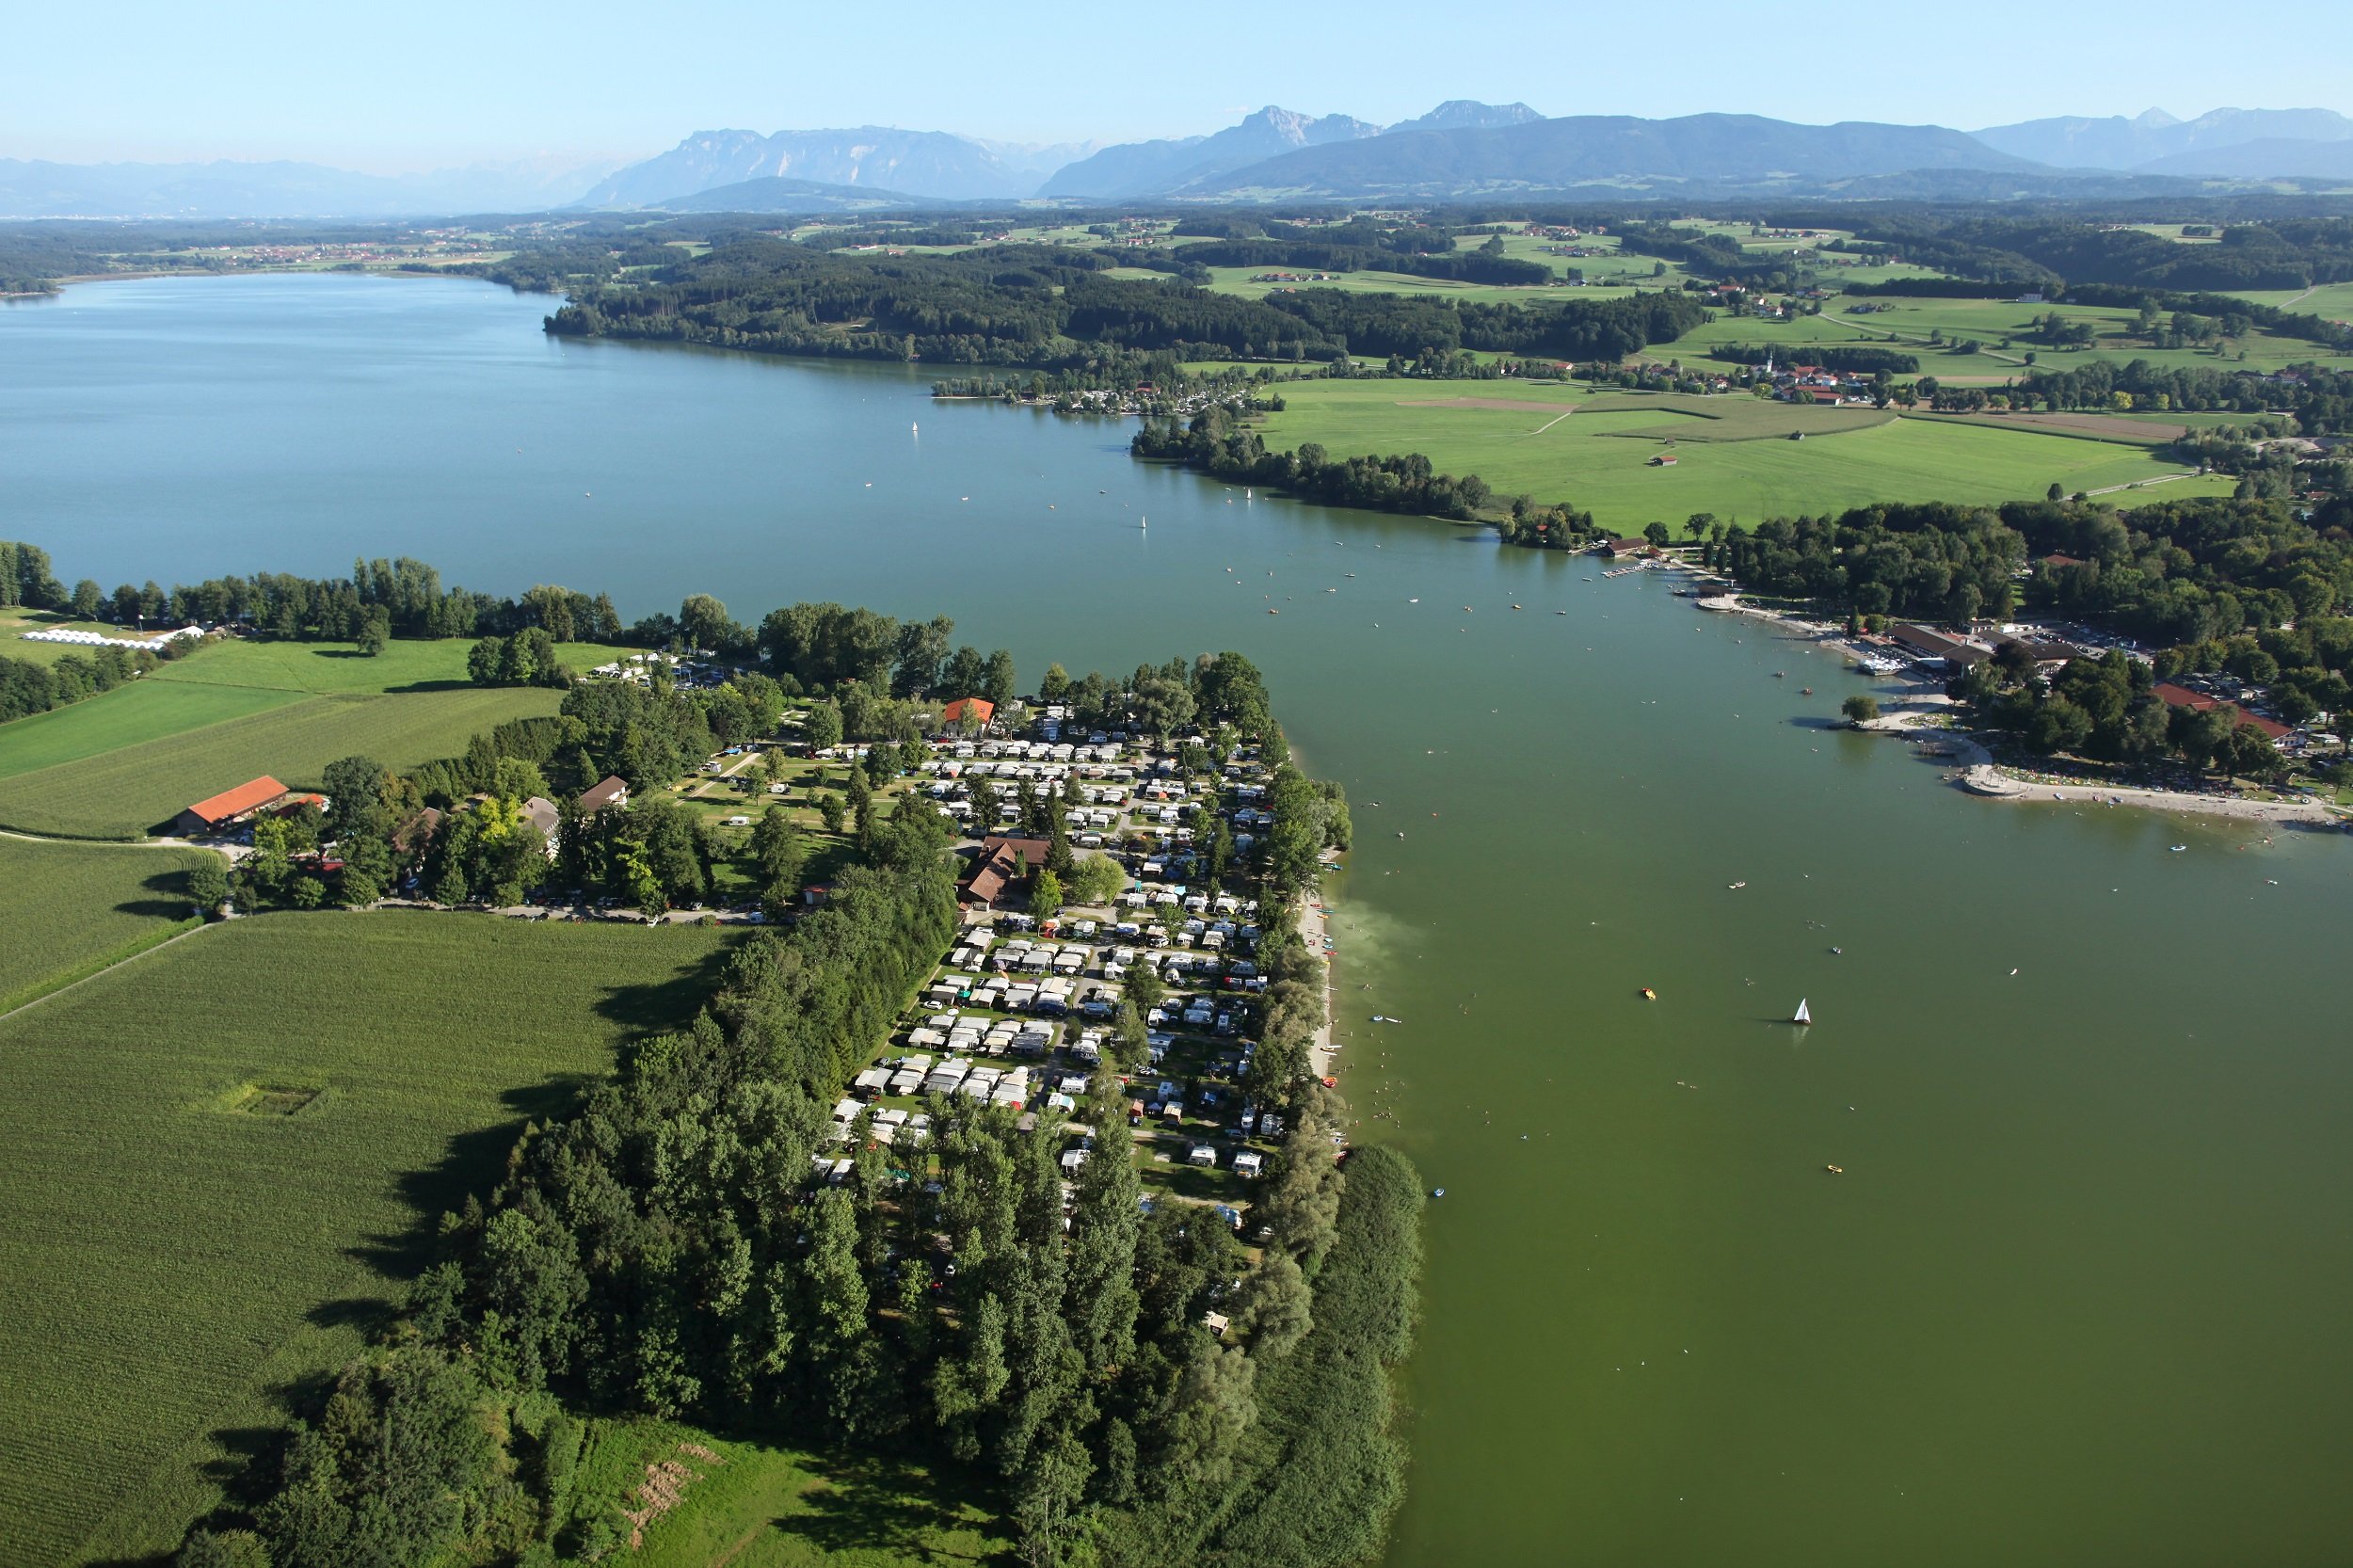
1044	307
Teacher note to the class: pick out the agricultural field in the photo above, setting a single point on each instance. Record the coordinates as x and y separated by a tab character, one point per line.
66	910
146	710
225	1157
2333	301
1733	454
760	1505
237	680
1906	324
122	771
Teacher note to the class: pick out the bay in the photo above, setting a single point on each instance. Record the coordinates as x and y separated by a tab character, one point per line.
2078	1295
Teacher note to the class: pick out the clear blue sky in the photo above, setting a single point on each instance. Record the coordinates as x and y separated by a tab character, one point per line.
428	83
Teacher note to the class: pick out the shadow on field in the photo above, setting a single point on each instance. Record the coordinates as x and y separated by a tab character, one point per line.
429	686
171	900
468	1166
873	1506
671	1003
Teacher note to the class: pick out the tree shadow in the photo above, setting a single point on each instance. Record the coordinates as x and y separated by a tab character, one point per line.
415	686
470	1164
868	1505
665	1004
171	900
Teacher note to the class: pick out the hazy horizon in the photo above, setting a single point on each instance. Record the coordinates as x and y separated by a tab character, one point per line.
435	86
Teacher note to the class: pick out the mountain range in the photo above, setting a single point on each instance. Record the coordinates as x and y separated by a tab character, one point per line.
1460	148
2156	143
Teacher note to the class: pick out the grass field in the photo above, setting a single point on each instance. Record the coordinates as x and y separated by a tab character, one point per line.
174	1261
69	909
331	668
2331	300
765	1506
246	707
147	710
1599	458
122	786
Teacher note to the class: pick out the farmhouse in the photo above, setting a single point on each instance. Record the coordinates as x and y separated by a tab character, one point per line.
608	791
540	814
1002	863
229	806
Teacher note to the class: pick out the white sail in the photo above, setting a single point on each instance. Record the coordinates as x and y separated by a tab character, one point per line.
1804	1016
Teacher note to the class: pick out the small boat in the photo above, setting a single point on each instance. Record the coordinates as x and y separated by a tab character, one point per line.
1836	1170
1805	691
2178	848
1649	995
1804	1015
1736	886
1437	1191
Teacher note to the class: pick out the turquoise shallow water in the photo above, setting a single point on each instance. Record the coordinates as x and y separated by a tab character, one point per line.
2078	1297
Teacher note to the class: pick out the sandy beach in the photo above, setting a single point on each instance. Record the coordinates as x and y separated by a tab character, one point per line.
1312	931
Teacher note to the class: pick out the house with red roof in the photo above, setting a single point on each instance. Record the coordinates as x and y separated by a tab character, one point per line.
977	708
230	807
2198	702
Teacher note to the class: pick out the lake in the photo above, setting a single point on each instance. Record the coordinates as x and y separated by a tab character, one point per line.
2080	1294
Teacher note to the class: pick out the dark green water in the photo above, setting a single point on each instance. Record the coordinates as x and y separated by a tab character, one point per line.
2081	1294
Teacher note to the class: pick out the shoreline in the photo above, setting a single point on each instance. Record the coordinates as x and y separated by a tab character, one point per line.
1315	930
1988	780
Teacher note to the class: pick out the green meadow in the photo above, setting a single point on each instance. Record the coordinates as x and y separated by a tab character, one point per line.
225	1155
122	786
115	766
1733	454
752	1504
70	910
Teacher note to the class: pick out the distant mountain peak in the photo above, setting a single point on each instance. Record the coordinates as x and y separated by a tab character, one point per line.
2155	119
1468	114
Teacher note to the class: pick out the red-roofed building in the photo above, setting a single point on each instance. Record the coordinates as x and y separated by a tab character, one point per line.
2182	696
978	708
229	806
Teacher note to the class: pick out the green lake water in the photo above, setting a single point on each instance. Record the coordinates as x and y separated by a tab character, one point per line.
2081	1294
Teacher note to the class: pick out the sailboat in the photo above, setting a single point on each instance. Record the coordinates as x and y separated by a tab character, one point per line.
1804	1016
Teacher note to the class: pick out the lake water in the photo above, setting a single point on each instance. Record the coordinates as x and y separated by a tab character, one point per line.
2080	1296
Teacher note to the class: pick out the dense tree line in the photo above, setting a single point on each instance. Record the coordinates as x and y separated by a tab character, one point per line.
1857	361
1220	445
2320	399
28	688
